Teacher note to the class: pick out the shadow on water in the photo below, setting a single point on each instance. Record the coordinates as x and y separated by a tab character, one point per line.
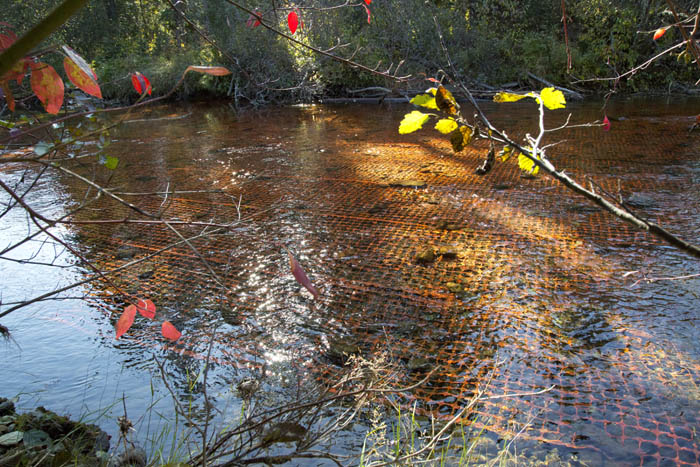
527	290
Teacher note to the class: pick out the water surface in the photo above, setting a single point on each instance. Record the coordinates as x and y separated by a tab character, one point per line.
538	294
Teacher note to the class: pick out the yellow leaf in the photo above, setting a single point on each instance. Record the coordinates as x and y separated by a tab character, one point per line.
412	122
460	138
510	97
424	100
505	153
553	98
445	125
527	165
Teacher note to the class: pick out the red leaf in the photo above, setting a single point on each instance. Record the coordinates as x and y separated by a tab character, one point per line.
368	2
80	79
210	70
301	276
125	320
6	40
146	308
369	15
169	331
47	86
659	33
80	61
9	98
606	123
253	20
141	83
293	21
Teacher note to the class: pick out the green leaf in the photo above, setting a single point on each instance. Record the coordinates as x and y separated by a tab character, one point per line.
108	161
553	98
42	148
446	125
424	100
412	122
527	165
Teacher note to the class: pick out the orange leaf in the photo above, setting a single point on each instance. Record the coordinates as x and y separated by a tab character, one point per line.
210	70
169	331
293	21
80	79
659	33
301	276
47	86
9	98
146	308
126	320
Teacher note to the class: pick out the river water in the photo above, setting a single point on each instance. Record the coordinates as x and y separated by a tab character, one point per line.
535	287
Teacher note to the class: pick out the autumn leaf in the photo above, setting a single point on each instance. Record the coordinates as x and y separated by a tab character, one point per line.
169	331
369	14
17	71
125	320
301	276
659	33
80	79
505	153
424	100
6	40
606	123
141	83
146	308
293	21
47	86
446	101
210	70
368	2
9	98
527	165
446	125
460	138
253	20
553	98
510	97
412	121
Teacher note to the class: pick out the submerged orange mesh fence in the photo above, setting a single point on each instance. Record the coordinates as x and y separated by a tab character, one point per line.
501	278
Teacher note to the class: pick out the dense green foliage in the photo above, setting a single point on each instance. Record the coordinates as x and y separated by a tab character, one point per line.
492	42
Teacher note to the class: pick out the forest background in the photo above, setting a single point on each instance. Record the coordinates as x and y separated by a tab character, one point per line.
493	43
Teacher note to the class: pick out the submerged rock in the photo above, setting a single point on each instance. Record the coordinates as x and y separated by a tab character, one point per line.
446	225
284	432
425	256
447	252
454	287
340	349
408	184
640	200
